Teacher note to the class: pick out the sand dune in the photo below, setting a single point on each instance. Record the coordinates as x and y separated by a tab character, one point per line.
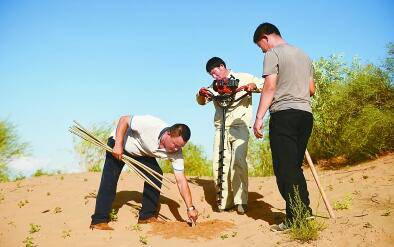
60	206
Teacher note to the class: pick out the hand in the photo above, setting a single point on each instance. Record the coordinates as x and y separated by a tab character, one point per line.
250	87
205	93
193	215
257	128
117	152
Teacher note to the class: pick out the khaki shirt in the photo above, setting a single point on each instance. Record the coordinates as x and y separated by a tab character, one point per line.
240	112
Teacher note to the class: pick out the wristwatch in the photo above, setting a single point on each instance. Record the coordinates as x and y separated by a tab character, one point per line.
191	208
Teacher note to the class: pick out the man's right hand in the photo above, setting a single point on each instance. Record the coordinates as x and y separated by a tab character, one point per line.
205	93
193	215
117	152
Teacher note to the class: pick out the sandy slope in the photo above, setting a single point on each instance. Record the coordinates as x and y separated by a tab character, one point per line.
368	222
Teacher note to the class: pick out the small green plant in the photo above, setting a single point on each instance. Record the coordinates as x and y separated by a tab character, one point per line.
95	168
345	203
61	177
22	203
303	228
224	236
387	213
40	173
234	234
28	241
367	225
136	228
365	176
1	197
113	216
143	240
66	234
19	177
57	210
34	228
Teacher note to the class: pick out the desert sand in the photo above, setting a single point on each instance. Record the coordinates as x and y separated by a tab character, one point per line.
62	205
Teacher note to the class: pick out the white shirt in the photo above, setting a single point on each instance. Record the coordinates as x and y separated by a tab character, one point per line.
142	138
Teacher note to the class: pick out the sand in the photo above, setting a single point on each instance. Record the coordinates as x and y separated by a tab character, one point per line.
61	206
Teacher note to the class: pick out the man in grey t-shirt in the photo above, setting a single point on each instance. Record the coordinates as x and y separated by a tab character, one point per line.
288	74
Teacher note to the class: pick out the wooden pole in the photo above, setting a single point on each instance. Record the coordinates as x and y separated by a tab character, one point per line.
323	195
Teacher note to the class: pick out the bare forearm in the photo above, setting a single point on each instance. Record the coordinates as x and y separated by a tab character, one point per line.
267	95
184	190
121	129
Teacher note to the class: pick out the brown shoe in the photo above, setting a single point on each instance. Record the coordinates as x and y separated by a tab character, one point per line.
152	219
101	226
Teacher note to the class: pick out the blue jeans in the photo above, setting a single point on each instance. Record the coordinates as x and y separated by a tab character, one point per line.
109	181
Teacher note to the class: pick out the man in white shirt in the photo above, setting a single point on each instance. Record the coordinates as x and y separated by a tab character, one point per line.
144	138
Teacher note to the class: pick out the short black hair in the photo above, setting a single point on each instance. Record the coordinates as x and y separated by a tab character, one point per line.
265	29
213	63
180	130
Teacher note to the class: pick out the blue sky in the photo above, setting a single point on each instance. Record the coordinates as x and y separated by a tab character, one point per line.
96	60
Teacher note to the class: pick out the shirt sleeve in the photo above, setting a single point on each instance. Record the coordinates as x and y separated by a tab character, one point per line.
271	63
177	161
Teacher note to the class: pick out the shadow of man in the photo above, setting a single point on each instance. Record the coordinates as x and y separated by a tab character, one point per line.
260	210
124	198
257	208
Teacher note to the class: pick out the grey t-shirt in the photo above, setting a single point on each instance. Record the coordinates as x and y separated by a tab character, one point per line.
294	69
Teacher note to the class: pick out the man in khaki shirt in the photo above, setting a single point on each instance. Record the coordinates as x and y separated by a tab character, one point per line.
238	117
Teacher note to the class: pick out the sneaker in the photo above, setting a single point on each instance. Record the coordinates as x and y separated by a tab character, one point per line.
282	227
242	208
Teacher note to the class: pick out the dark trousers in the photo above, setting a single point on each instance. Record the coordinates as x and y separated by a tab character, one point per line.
109	182
289	132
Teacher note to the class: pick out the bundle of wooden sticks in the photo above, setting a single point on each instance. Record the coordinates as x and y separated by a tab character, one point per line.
140	169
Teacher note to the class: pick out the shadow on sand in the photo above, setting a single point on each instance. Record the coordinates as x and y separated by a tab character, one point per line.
125	198
257	208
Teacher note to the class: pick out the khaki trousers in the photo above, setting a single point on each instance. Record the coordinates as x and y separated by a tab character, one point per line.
235	185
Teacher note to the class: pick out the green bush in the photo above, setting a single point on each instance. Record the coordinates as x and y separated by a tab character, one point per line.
92	157
353	110
10	147
259	157
303	228
196	163
40	173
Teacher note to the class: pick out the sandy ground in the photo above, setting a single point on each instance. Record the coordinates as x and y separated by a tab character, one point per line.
62	204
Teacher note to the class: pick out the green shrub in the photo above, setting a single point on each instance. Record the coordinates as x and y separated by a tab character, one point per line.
92	157
345	203
303	228
353	110
40	173
196	163
259	157
10	147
